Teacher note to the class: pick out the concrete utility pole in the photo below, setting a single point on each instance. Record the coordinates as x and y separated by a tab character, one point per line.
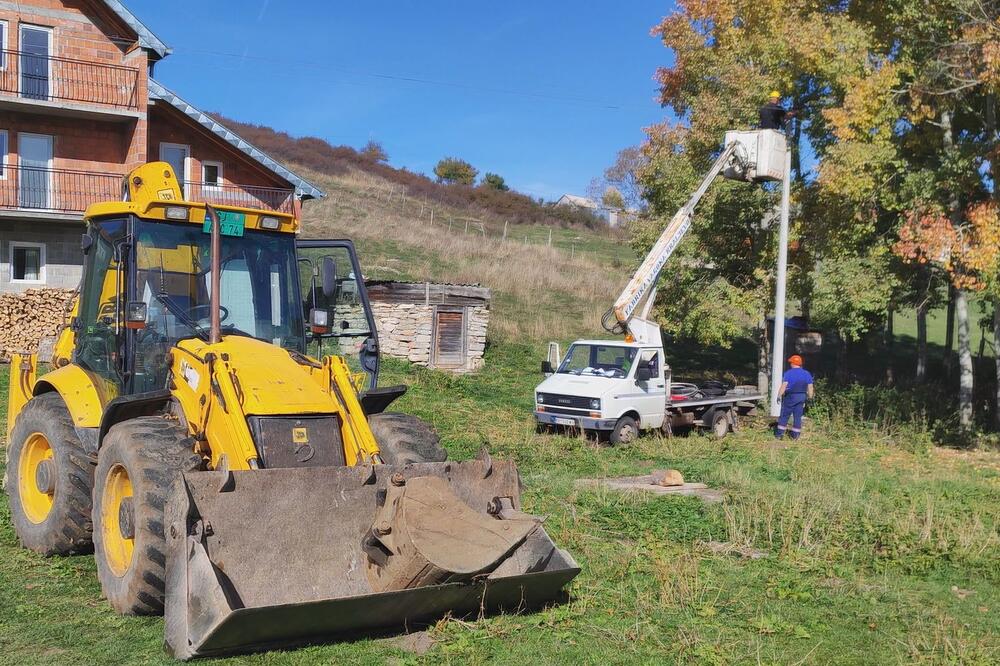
778	359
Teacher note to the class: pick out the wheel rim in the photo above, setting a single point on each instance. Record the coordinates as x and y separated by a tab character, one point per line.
721	428
118	548
627	433
37	495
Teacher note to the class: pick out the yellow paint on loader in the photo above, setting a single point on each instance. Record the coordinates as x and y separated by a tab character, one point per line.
278	520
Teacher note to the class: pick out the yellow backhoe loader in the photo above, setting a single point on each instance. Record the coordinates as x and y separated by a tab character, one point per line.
230	459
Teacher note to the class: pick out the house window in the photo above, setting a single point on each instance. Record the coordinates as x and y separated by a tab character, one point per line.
3	154
3	45
449	337
27	262
211	174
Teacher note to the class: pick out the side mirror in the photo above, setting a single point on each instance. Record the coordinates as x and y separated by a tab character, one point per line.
329	277
86	242
547	368
319	321
643	373
135	314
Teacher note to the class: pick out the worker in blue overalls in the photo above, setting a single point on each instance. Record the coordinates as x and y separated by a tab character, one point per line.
796	388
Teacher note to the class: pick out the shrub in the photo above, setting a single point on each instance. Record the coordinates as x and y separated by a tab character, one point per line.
455	171
374	151
495	181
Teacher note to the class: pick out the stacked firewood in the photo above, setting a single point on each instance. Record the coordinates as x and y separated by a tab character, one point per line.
28	317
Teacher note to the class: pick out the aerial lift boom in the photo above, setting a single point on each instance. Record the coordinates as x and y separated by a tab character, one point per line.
642	287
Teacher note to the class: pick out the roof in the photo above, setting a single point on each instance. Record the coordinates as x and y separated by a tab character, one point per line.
576	200
303	188
428	293
147	39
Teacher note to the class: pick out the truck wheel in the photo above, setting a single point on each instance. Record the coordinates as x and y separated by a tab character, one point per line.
404	439
718	423
626	431
136	468
50	479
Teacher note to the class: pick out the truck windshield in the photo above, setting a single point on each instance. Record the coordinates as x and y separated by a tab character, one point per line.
613	361
259	293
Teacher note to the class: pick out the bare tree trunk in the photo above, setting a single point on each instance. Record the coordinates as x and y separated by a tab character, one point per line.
996	354
958	304
921	342
965	373
889	341
949	332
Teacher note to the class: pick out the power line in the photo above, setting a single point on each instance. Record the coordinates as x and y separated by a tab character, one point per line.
603	104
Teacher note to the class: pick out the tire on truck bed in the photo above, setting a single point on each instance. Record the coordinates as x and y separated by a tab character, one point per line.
403	438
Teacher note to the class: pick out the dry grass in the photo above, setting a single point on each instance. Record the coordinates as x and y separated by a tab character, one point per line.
540	292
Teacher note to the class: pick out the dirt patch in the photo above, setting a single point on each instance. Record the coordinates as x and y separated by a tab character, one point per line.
419	642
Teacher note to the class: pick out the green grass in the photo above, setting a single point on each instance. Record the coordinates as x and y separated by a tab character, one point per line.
905	325
879	551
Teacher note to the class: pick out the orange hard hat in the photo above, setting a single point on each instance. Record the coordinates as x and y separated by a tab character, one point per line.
795	360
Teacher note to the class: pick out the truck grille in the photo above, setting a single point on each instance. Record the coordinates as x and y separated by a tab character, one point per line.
571	401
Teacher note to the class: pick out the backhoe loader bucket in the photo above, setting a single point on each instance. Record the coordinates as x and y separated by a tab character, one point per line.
275	557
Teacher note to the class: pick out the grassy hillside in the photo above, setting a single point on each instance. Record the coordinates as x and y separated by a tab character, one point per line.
540	291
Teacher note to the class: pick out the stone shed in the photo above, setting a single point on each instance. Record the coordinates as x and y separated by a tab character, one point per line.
430	324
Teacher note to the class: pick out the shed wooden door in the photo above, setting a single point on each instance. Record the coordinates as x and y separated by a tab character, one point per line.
449	337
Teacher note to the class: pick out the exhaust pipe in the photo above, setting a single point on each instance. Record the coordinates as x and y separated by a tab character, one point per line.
215	332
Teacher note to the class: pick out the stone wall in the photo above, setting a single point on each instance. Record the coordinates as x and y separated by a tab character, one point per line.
405	331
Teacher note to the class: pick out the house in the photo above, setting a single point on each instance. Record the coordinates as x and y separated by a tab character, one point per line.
607	214
431	324
79	108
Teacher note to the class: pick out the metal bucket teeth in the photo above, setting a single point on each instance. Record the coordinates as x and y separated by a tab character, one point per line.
276	557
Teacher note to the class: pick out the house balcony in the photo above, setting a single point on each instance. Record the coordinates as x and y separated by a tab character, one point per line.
64	194
244	196
61	194
36	83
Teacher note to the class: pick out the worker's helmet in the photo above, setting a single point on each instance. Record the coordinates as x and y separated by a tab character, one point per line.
795	361
775	94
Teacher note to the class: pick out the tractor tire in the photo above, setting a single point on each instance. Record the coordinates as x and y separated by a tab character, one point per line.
404	439
136	468
50	478
626	431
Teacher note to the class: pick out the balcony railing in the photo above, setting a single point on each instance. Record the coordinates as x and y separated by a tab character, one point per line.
246	196
70	191
32	76
58	190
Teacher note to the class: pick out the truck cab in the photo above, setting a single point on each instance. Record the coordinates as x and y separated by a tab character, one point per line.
607	387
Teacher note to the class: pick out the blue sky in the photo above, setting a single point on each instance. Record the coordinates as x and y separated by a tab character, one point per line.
543	93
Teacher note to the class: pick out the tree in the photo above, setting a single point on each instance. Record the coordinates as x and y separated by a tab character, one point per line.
374	151
897	102
455	171
495	181
624	177
612	199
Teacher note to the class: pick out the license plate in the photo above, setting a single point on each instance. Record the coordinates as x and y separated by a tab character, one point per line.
231	223
569	422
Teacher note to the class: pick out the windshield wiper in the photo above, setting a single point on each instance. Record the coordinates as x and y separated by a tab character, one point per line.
177	311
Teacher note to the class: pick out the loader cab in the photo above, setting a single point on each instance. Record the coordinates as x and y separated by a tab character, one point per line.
147	285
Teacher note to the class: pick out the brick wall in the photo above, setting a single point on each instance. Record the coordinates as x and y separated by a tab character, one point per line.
167	125
81	31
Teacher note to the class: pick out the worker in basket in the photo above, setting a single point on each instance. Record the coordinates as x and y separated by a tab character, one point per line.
773	115
796	389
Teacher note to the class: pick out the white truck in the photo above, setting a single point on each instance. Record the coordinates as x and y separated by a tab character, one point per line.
616	388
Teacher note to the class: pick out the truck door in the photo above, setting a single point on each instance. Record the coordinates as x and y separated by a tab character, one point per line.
350	327
651	394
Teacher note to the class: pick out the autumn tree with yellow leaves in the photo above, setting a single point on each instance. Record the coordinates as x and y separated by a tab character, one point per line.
894	157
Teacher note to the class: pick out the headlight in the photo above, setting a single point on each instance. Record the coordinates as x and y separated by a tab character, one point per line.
539	397
595	403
